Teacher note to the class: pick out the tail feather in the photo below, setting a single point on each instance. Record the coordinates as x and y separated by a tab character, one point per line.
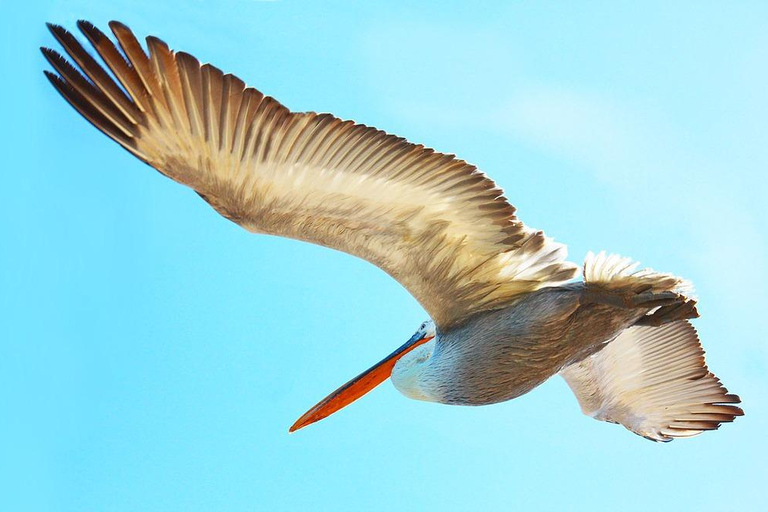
614	272
615	281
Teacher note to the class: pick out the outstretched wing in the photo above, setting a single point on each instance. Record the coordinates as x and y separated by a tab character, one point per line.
431	221
653	380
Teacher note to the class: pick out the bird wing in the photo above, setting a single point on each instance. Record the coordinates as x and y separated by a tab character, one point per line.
433	222
654	381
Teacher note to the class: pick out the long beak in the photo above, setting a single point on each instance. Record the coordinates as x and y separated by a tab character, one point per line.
358	386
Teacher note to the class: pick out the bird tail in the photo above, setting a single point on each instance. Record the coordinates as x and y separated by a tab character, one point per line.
615	281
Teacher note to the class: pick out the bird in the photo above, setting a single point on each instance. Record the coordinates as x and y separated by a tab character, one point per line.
506	308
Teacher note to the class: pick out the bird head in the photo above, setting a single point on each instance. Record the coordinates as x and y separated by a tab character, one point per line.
405	360
408	368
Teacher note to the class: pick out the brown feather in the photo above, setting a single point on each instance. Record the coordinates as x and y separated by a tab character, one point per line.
423	216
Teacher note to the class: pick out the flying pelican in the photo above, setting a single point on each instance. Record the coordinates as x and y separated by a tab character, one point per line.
505	315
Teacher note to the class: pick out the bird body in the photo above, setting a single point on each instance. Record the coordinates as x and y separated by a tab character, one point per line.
505	313
499	355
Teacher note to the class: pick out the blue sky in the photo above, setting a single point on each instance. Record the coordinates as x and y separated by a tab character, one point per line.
153	354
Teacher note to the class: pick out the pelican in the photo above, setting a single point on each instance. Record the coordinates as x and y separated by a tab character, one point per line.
506	313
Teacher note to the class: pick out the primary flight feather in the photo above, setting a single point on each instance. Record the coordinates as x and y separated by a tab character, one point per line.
504	318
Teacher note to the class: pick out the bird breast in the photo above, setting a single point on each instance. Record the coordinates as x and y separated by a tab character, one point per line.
495	356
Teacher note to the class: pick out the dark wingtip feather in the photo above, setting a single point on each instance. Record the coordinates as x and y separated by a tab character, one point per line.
53	77
50	54
88	111
156	40
58	31
54	58
90	30
45	51
117	25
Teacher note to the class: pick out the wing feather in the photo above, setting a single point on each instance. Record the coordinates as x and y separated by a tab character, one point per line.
654	381
435	223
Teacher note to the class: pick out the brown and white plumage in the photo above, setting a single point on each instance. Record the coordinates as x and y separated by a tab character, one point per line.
653	380
433	222
506	320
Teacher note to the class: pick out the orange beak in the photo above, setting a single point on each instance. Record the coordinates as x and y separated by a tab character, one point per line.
358	386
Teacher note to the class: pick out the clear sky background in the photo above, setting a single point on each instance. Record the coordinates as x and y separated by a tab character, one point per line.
153	354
